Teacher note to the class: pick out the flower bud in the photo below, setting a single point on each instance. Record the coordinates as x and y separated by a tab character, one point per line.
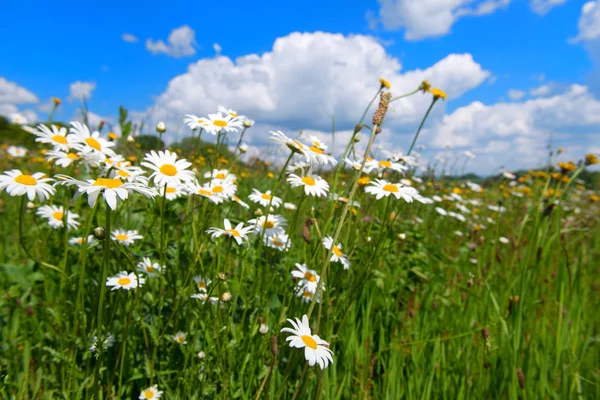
56	101
222	277
243	148
248	123
201	355
264	328
258	212
161	127
100	233
30	205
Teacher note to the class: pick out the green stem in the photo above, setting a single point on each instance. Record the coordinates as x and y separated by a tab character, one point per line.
421	126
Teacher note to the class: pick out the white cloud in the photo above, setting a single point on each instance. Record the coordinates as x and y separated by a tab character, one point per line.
307	78
542	7
129	38
181	42
516	94
429	18
589	22
12	93
217	48
81	90
526	126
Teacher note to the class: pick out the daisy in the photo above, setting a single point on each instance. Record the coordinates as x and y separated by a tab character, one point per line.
289	206
381	188
204	297
316	142
356	164
239	233
78	241
106	343
111	188
55	216
220	174
316	350
309	278
62	159
336	252
129	173
306	294
202	283
294	145
280	241
272	225
179	337
264	198
125	237
57	137
17	183
314	185
196	122
222	188
240	202
219	122
441	211
504	240
126	281
17	151
382	165
204	191
317	154
167	169
150	393
343	199
173	191
151	269
17	118
83	140
231	113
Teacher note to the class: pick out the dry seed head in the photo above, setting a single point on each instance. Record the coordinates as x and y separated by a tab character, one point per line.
306	229
222	277
384	103
274	347
225	297
521	378
485	333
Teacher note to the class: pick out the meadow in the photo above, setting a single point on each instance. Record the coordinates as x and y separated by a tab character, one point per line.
133	269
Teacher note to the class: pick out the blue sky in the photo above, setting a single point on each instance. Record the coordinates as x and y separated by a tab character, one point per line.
517	45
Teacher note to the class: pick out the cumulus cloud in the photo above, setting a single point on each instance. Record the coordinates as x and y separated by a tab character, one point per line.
516	94
181	42
589	22
81	90
217	48
307	78
11	93
129	38
429	18
542	7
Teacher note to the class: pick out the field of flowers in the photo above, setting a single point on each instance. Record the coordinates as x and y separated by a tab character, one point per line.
200	273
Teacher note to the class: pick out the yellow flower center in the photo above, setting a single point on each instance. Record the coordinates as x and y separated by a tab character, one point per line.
93	143
108	182
201	285
308	180
220	175
266	196
337	251
217	189
316	149
26	180
268	224
79	240
149	268
277	242
204	192
390	188
122	237
59	139
233	114
384	163
307	294
148	394
309	341
58	215
170	190
124	174
220	123
72	156
233	232
124	281
180	339
310	277
113	136
168	169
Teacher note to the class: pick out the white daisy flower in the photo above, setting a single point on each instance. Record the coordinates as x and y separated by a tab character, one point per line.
17	183
130	174
57	137
437	198
106	343
280	241
308	278
79	240
204	297
173	191
316	350
317	154
381	188
441	211
110	188
196	122
150	393
314	185
239	233
202	283
509	175
458	233
125	237
219	122
382	165
204	191
292	144
458	216
337	255
356	164
221	174
231	113
316	142
167	169
273	225
17	118
240	202
306	294
222	188
289	206
55	216
62	159
504	240
17	151
264	198
83	140
126	281
343	199
150	268
179	337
